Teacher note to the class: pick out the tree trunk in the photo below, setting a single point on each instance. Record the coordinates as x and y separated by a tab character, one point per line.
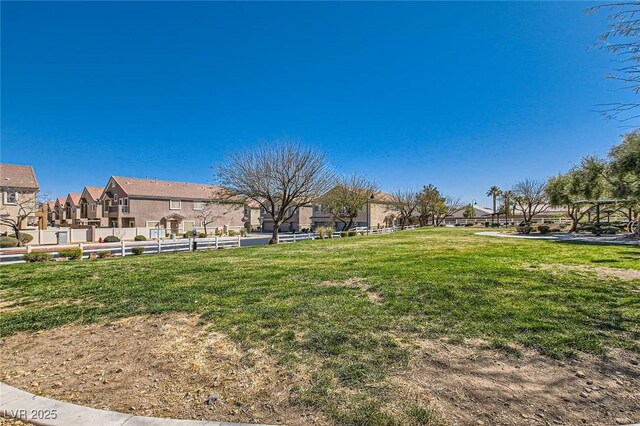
349	224
274	234
16	229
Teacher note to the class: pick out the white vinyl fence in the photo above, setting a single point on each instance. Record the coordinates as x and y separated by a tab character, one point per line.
86	235
361	230
124	248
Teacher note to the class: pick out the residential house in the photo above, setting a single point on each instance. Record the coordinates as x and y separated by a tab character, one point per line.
59	213
72	208
18	191
252	214
91	207
478	212
378	212
300	220
176	206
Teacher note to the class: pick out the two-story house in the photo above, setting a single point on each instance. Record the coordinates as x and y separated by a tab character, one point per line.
91	207
18	191
300	220
176	206
378	212
72	208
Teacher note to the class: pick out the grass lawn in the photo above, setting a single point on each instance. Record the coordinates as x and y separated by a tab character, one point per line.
351	308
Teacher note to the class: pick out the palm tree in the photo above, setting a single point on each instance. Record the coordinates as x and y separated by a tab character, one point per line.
494	192
507	197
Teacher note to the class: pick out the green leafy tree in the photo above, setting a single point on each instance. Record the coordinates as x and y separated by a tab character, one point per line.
568	189
469	212
347	199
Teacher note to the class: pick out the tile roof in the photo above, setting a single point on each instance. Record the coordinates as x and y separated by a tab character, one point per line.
75	197
17	176
61	200
94	191
167	189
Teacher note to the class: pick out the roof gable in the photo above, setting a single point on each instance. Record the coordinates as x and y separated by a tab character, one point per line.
74	197
153	188
93	192
18	176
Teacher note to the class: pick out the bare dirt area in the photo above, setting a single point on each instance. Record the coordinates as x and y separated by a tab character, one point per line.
165	366
602	272
470	384
174	366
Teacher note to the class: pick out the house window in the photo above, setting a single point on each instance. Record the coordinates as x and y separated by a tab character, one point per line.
152	223
198	205
11	197
92	207
188	225
115	197
175	204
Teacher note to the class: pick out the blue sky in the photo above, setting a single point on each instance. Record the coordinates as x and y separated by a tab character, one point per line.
461	95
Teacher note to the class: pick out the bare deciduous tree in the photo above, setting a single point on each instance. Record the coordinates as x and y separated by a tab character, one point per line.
406	202
208	214
24	206
446	207
531	198
350	195
281	177
623	40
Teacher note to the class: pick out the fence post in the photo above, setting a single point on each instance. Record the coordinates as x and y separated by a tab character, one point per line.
216	241
122	249
190	245
40	236
29	248
294	238
278	239
81	247
238	240
159	246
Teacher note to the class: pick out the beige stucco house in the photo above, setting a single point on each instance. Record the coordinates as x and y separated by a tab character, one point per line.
300	220
18	191
378	212
176	206
72	208
91	207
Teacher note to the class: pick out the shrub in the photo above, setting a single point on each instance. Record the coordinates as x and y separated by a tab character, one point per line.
523	229
543	229
243	232
71	254
104	254
38	257
232	233
140	238
187	235
468	224
325	232
8	242
137	251
111	239
609	230
25	238
305	230
202	235
343	234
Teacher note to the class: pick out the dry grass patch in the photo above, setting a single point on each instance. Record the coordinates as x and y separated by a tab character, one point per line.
165	366
472	382
358	283
602	272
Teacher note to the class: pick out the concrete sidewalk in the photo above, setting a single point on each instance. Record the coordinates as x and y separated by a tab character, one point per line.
28	407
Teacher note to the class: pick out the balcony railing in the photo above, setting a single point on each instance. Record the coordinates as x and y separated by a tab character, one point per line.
115	209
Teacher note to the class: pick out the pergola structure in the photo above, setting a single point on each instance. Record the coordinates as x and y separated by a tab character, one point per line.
633	224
